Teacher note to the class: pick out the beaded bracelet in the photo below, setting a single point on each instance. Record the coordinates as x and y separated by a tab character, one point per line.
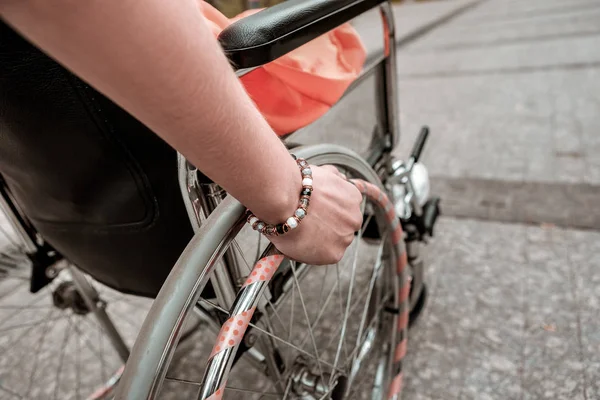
301	212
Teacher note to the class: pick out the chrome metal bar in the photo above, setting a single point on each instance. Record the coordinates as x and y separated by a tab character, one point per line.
388	82
28	244
189	186
91	299
200	200
225	278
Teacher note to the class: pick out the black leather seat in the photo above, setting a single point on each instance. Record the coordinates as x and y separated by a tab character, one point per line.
96	183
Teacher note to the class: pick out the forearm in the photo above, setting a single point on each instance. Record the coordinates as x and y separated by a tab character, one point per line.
158	60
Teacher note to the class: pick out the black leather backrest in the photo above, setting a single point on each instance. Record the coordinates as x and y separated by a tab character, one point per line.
97	184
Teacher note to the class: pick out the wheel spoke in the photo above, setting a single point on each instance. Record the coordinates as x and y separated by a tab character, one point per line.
113	310
258	328
24	334
61	359
235	389
269	303
270	361
9	237
372	281
28	324
322	291
352	309
78	366
291	345
257	256
11	307
237	247
369	325
252	391
342	342
33	318
98	353
40	343
35	300
292	314
321	313
316	324
277	316
103	367
310	330
341	305
287	389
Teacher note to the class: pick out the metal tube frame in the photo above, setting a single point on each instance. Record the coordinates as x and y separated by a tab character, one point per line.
387	85
202	198
98	307
17	221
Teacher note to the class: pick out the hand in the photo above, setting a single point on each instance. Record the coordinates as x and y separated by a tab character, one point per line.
334	216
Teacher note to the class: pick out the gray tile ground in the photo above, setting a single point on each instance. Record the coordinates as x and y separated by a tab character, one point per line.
504	321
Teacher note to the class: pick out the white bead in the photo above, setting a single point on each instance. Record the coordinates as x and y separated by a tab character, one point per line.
252	221
300	213
306	182
292	223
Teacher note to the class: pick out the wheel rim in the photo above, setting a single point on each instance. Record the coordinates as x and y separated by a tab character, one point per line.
364	336
155	346
295	327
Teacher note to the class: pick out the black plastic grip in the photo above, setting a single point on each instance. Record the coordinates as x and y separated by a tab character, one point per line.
420	143
269	34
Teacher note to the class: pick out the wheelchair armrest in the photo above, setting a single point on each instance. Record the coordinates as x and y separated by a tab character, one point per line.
277	30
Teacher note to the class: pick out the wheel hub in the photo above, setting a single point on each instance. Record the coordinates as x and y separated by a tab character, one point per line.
313	386
66	296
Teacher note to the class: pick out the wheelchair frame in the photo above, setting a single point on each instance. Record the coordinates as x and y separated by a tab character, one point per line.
201	199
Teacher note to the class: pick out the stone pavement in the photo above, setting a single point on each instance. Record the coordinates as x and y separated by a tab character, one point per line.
512	315
511	90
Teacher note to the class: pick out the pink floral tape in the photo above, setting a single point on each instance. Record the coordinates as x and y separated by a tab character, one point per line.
397	234
404	291
401	263
395	387
380	197
403	320
108	386
400	351
232	331
264	269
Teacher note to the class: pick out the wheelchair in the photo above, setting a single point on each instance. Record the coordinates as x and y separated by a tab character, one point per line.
227	315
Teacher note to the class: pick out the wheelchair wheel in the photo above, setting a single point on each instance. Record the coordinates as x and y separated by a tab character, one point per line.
294	331
58	343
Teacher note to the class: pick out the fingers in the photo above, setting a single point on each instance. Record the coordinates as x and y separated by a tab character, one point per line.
334	170
354	196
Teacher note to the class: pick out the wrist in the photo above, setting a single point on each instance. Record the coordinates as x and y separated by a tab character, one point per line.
281	197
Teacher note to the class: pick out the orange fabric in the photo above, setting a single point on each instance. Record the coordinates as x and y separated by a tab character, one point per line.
298	88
